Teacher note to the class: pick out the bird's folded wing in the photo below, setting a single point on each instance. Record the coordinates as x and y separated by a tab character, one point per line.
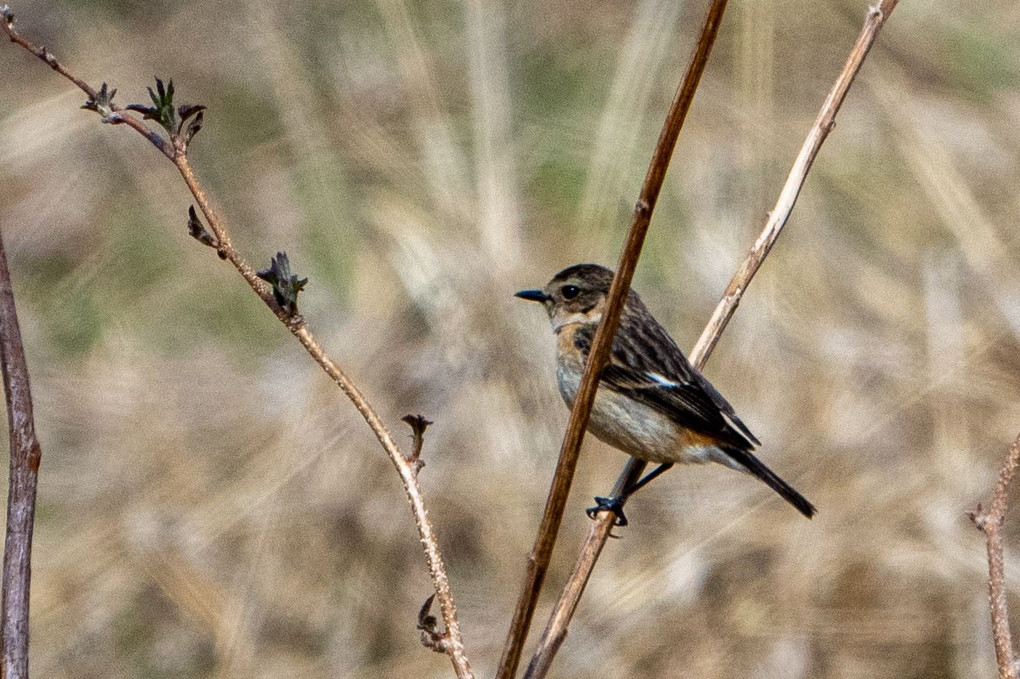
685	403
646	365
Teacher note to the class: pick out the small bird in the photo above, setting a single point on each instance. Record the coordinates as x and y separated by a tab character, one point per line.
651	402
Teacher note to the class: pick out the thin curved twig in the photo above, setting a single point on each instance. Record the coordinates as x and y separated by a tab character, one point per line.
175	150
990	523
556	629
541	553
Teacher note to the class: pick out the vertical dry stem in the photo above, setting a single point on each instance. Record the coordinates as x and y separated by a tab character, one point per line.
990	523
556	629
541	553
24	474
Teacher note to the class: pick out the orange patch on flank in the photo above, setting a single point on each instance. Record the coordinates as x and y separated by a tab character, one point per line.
688	437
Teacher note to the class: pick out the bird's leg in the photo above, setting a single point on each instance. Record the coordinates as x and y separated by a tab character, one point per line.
615	503
648	478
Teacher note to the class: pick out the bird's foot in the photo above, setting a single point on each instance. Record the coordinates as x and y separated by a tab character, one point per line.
612	504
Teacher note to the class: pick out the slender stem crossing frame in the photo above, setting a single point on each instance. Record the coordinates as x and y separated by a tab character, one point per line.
556	629
541	553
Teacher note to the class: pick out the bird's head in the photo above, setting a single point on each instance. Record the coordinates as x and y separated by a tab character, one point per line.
575	295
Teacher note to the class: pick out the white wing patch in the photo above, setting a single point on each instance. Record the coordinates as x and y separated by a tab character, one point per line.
662	381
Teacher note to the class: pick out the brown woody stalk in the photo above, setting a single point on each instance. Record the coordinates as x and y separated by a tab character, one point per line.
990	523
24	476
556	629
175	150
541	553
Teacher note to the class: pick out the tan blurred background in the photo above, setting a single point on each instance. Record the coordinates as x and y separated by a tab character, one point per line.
211	506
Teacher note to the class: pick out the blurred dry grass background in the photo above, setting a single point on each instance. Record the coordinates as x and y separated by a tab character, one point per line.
210	506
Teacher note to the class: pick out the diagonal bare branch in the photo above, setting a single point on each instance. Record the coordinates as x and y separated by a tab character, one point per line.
541	553
556	629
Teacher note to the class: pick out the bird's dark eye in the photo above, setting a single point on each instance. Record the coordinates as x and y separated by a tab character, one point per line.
570	291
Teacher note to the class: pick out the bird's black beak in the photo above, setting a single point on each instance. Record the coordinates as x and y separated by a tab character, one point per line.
533	295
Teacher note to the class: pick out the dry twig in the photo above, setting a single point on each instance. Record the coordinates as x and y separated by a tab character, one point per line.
556	629
24	476
990	523
541	553
175	148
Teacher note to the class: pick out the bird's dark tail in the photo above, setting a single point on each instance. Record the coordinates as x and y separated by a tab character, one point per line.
756	467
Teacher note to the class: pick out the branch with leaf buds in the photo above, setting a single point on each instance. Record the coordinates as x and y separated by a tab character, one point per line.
277	287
